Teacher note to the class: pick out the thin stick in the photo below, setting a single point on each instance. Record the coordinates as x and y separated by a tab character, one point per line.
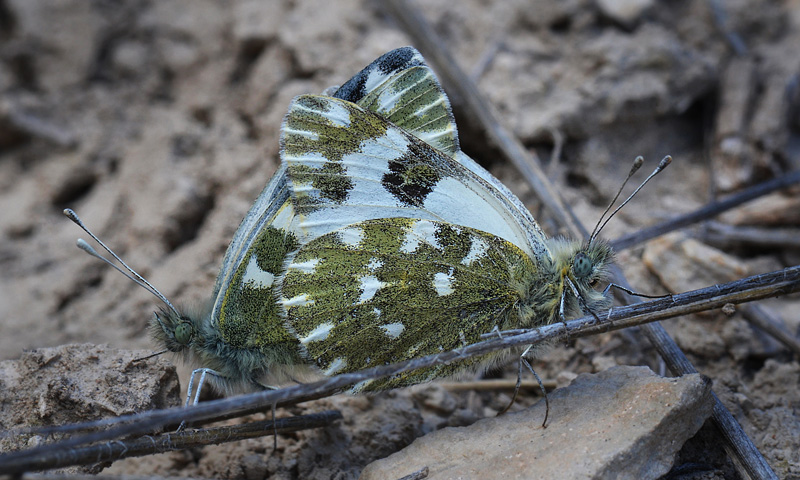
495	384
167	442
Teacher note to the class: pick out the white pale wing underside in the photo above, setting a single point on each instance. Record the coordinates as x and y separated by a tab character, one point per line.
466	195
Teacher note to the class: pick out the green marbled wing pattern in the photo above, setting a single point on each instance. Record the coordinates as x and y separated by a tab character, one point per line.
414	101
401	88
392	289
248	313
244	308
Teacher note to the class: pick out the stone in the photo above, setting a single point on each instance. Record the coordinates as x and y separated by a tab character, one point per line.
625	422
625	12
693	264
80	383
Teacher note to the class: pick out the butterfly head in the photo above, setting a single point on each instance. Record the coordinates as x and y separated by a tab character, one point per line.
172	330
580	268
590	264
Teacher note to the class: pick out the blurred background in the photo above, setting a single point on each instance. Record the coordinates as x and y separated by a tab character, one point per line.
158	122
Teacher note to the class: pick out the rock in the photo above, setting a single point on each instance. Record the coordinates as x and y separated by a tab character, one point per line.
773	210
625	422
79	383
627	13
692	264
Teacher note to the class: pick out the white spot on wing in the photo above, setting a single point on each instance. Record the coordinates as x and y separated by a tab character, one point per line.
351	236
369	287
410	243
301	300
477	250
388	99
305	267
318	334
393	330
427	231
420	231
337	365
284	217
374	264
443	283
375	78
255	277
360	386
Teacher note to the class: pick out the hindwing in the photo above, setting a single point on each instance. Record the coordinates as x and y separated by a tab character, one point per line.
392	289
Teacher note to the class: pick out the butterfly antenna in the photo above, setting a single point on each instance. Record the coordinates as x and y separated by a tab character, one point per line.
133	276
637	163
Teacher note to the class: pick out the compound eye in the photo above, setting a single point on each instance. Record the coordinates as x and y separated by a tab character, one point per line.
183	333
582	265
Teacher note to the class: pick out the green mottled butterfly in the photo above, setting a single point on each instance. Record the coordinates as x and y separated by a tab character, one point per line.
377	241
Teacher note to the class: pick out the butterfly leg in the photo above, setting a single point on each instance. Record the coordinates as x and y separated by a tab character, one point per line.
581	303
561	314
524	361
203	373
274	422
541	386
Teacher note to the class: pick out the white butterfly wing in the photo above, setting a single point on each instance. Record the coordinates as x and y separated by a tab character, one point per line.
394	85
347	165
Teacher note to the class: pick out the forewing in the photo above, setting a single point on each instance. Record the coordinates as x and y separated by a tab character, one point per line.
392	289
346	164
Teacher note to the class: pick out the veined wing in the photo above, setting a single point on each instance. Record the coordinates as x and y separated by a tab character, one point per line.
391	289
394	85
346	164
401	88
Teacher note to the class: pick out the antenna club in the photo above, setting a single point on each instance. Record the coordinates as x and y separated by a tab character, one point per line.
70	213
635	166
664	162
84	245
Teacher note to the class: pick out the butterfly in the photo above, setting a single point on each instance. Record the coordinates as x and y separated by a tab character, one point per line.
377	240
413	251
